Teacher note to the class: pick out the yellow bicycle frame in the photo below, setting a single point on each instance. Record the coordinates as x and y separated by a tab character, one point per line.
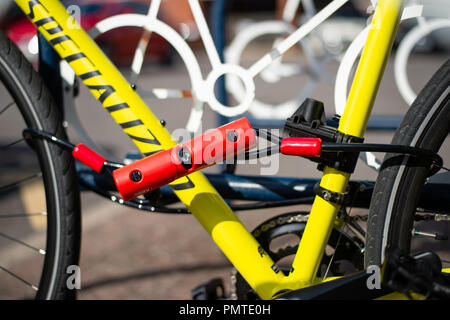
353	122
126	107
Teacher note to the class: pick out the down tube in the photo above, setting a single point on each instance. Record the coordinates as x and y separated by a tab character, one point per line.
353	122
108	86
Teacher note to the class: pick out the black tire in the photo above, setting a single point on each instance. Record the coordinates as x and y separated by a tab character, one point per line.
57	166
398	186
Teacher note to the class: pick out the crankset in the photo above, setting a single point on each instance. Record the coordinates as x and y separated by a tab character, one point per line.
280	236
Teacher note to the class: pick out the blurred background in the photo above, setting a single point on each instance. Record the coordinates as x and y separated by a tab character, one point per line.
128	254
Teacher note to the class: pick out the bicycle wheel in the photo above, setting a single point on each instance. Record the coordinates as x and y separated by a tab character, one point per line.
395	209
39	193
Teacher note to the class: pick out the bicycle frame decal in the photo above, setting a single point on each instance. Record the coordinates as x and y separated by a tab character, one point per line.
136	119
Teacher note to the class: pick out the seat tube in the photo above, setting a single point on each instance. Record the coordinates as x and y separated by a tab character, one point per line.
353	122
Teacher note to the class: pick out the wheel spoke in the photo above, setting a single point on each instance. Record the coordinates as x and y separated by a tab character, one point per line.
7	106
332	256
20	278
31	177
21	215
40	251
11	144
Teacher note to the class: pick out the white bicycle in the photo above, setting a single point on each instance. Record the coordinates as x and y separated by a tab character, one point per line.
325	43
202	87
241	80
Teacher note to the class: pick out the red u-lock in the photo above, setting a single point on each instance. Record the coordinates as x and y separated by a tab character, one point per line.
166	166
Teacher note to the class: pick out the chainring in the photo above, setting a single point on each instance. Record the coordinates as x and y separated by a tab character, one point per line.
347	258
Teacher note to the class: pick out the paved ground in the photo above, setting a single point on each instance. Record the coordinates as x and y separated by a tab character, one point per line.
127	254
